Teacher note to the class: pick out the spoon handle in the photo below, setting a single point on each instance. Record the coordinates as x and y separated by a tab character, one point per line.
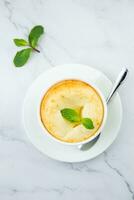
121	77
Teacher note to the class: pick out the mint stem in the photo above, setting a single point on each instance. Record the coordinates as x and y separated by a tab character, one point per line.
35	49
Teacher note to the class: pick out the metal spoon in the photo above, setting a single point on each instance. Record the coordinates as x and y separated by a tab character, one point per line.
121	77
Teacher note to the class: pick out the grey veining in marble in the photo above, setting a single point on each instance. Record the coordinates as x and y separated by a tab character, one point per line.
96	33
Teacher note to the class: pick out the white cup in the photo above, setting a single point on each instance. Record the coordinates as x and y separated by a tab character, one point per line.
76	143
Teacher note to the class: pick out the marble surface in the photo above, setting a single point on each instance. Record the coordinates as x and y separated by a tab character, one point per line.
97	33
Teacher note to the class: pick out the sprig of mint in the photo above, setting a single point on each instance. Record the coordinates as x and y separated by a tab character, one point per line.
72	116
22	56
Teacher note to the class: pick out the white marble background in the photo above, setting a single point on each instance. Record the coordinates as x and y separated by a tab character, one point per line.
97	33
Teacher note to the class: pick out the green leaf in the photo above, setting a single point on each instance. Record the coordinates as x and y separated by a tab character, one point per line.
35	34
87	123
21	57
20	42
70	115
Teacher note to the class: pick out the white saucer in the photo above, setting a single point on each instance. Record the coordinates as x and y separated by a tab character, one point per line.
59	151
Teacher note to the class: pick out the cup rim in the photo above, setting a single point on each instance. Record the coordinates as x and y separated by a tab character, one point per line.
74	143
